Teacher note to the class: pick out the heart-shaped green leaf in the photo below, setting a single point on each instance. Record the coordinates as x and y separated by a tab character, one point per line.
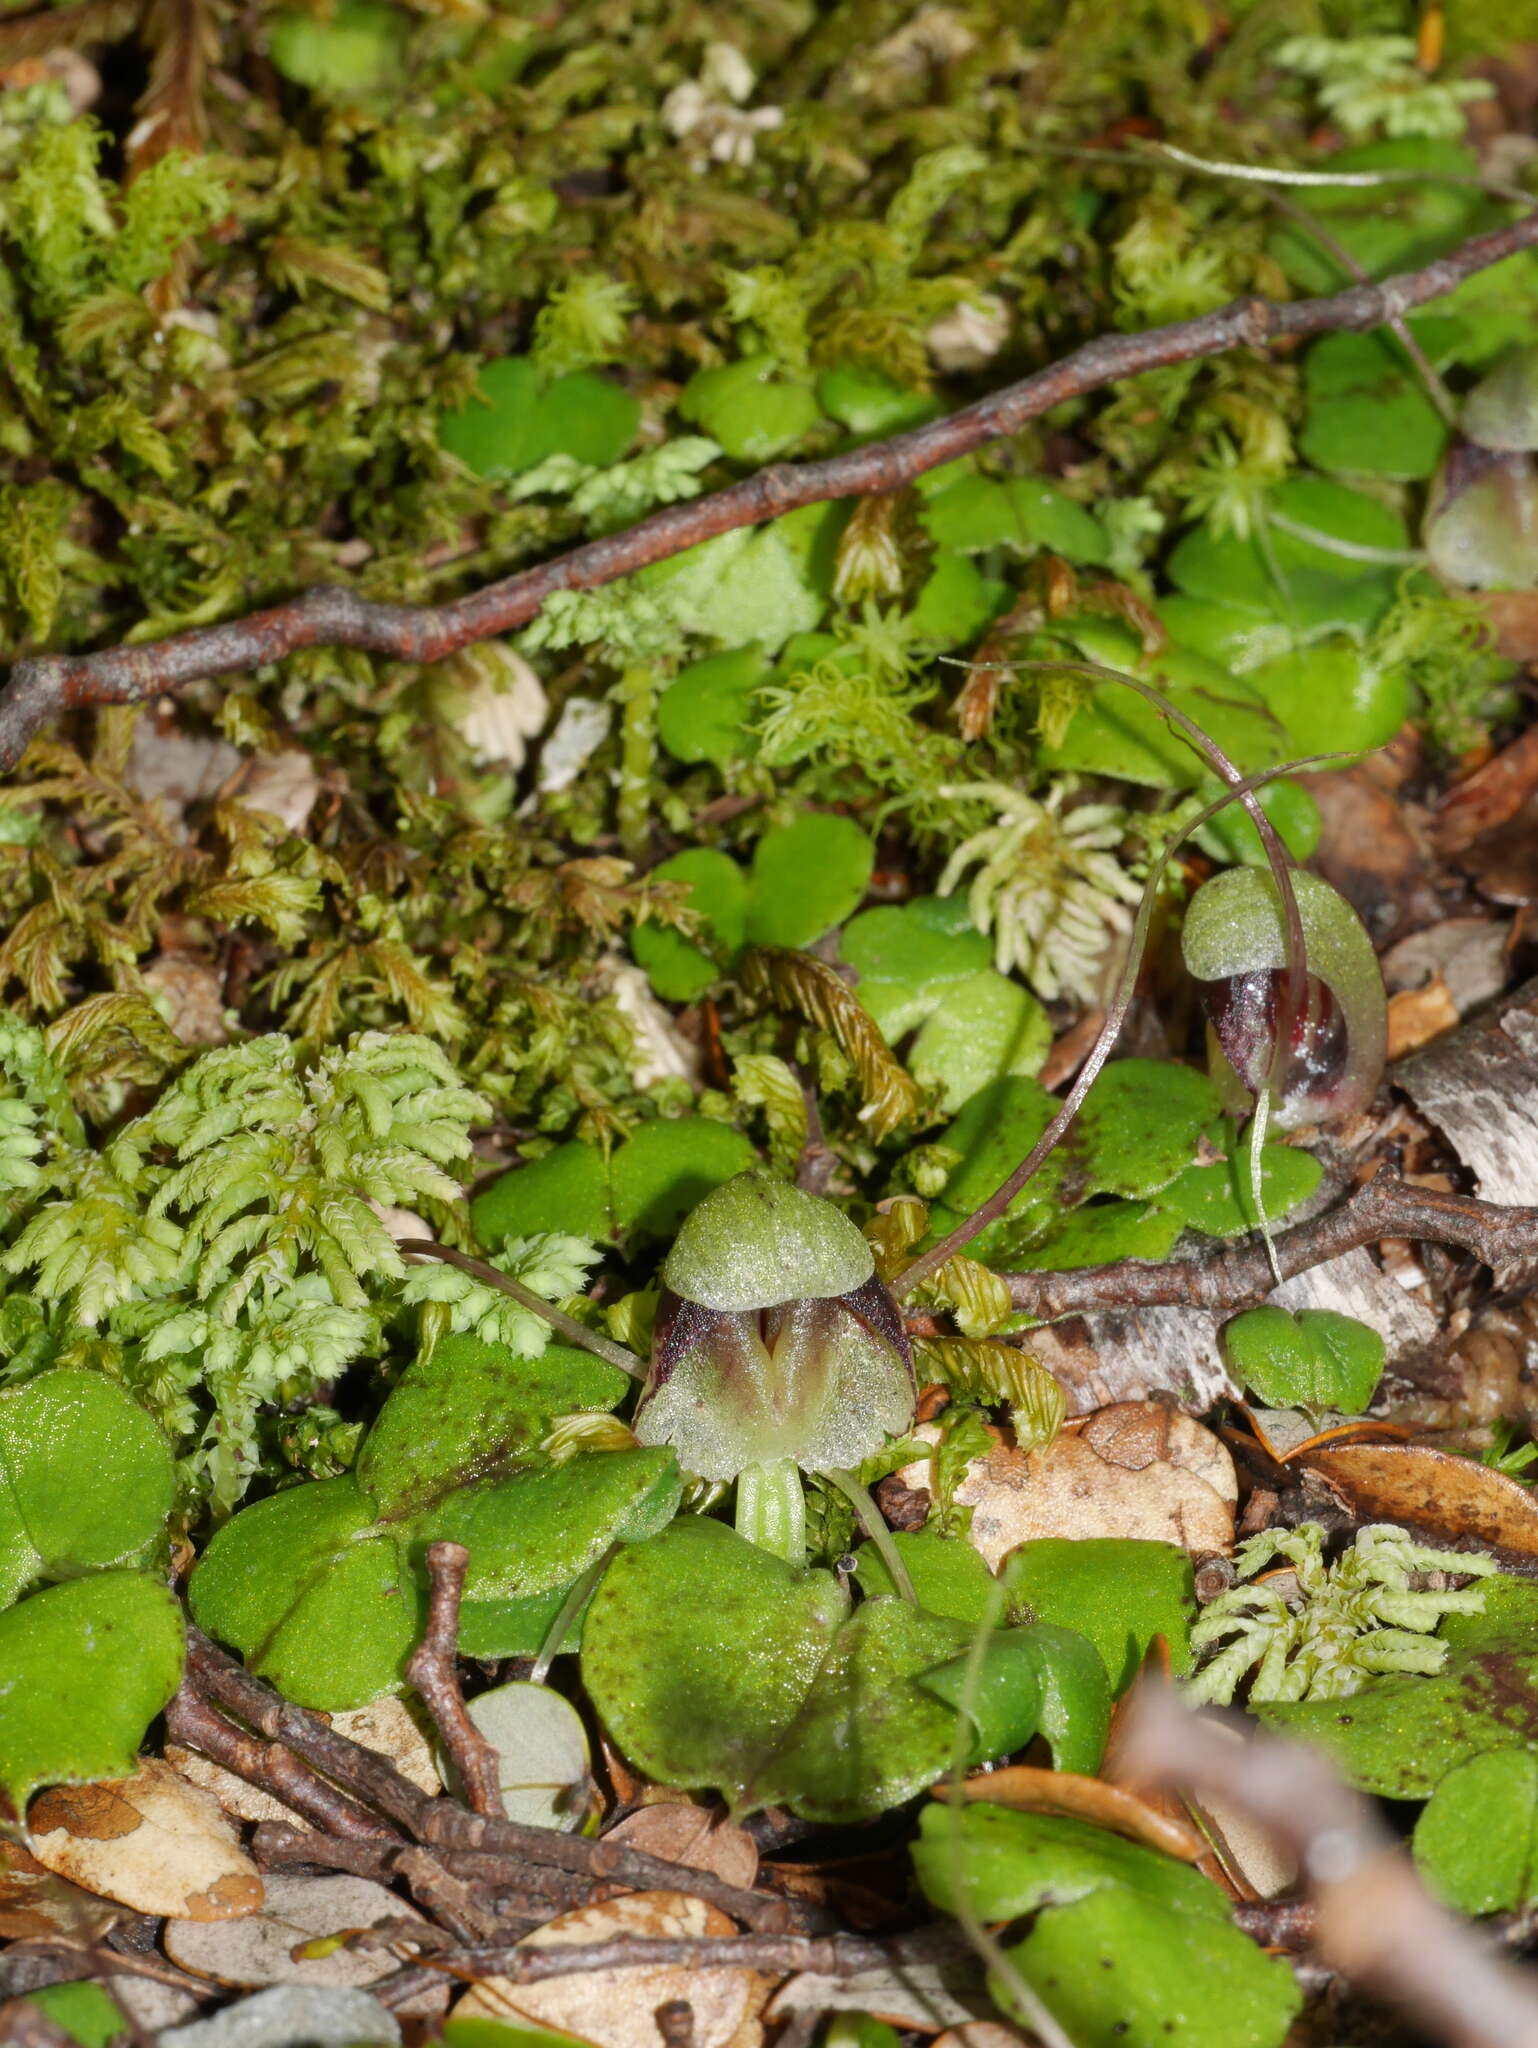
1368	411
469	1409
1401	1736
1118	1592
700	1650
1477	1841
702	713
807	877
753	413
519	418
678	969
1037	1677
87	1666
62	1512
649	1183
1314	1359
1127	1946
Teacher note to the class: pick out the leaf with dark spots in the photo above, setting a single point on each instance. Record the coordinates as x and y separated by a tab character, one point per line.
469	1410
1401	1736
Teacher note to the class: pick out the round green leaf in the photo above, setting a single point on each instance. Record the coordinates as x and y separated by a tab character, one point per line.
1330	700
979	1030
1218	1201
806	878
678	969
868	403
312	1597
700	1649
1118	1968
669	1166
1294	811
703	713
948	1575
568	1190
1010	1864
1477	1840
751	412
352	52
1027	1678
519	418
468	1409
1117	1592
87	1666
957	603
75	1512
515	1628
539	1532
1368	411
86	2012
1314	1359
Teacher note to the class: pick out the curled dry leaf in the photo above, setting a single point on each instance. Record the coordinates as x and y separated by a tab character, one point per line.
1417	1015
35	1903
619	2010
1029	1790
695	1836
283	785
189	995
662	1053
152	1842
1438	1495
1138	1469
921	1998
264	1948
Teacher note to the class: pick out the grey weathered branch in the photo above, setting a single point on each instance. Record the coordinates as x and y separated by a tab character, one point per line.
43	686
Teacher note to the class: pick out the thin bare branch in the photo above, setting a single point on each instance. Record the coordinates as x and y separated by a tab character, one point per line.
43	686
1505	1239
435	1674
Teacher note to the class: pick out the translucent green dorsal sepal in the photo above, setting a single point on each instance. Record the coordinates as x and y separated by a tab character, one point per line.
757	1242
1234	929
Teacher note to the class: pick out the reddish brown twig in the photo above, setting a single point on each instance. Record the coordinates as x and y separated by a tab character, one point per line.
1505	1239
44	685
435	1674
832	1955
191	1721
1376	1922
443	1824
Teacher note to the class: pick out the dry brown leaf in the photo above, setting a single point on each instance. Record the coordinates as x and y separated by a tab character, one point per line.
1254	1861
619	2010
1137	1469
261	1948
1491	796
921	1998
692	1835
982	2034
386	1726
190	996
152	1842
1417	1015
34	1902
1029	1790
1513	615
1432	1492
284	785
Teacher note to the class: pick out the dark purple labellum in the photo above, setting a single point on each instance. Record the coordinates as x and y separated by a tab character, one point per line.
823	1381
1244	1011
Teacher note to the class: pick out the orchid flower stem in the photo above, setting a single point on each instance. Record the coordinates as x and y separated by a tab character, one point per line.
869	1517
771	1509
566	1616
565	1325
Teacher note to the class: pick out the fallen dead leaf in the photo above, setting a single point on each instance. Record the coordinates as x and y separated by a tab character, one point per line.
245	1802
389	1727
188	994
982	2034
1029	1790
505	706
923	1998
152	1842
1255	1862
1432	1492
1513	616
34	1902
1416	1016
1137	1469
1469	954
260	1949
662	1052
283	785
1492	795
619	2010
691	1835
